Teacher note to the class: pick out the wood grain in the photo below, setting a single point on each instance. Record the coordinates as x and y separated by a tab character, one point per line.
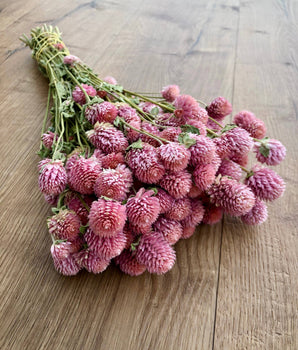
233	287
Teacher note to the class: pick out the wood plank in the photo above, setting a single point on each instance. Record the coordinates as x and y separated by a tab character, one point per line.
257	297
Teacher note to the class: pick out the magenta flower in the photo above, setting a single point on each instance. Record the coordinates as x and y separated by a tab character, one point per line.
107	218
212	214
131	117
128	263
186	107
51	199
79	96
257	215
52	178
271	152
170	92
219	108
106	112
181	208
171	133
152	129
64	225
196	215
265	183
171	229
155	253
71	159
165	201
90	261
204	176
248	121
174	156
42	163
63	260
110	80
148	106
177	184
48	139
237	142
203	151
231	169
71	60
194	192
188	231
112	160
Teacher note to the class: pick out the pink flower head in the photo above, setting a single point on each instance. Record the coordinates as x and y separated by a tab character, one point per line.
204	176
171	229
240	159
171	133
107	218
140	229
79	96
59	46
199	125
165	201
180	210
212	125
248	121
170	92
130	234
71	60
203	151
52	178
105	248
202	116
152	129
131	117
234	197
188	231
42	163
72	201
148	106
169	119
48	139
174	156
237	142
83	174
107	138
128	263
114	183
219	108
63	261
110	80
231	169
194	192
177	184
265	183
143	209
257	215
212	214
90	261
112	160
186	107
64	225
91	113
216	161
106	112
196	215
276	151
72	158
145	164
51	199
155	253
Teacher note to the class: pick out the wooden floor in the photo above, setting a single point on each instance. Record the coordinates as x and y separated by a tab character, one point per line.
233	286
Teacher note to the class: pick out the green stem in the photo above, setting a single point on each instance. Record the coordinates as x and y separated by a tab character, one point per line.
216	122
79	85
212	132
45	117
82	201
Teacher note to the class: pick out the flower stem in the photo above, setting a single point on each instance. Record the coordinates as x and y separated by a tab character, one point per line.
45	117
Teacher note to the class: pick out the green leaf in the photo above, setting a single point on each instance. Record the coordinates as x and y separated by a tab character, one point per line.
264	150
135	100
61	90
154	189
228	127
83	229
117	122
154	110
136	145
190	128
186	140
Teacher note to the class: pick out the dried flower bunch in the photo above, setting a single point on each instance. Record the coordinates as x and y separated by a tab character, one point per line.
130	174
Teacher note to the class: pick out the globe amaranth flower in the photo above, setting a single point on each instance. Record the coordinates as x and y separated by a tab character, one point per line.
270	152
234	197
170	229
107	138
105	247
248	121
174	156
64	262
177	184
204	176
170	92
51	199
212	214
194	192
152	129
203	151
199	125
112	160
171	133
114	183
110	80
219	108
90	261
128	263
143	209
231	169
181	208
131	117
165	200
107	218
188	231
196	215
155	253
52	178
83	174
74	203
71	60
186	107
148	106
72	158
265	183
79	96
106	112
257	215
64	225
48	139
237	142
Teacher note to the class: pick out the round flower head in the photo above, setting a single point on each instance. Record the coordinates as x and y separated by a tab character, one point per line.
204	176
148	106
174	156
171	229
59	46
107	218
241	160
145	163
171	133
219	108
51	199
194	192
177	184
196	215
71	60
203	151
165	201
199	125
52	178
91	113
248	121
112	160
110	80
130	235
63	260
79	96
42	163
202	116
74	204
114	183
107	138
170	92
131	117
214	126
169	119
265	183
143	209
234	197
212	214
83	174
216	161
140	229
106	112
152	129
105	247
155	253
186	107
237	142
271	152
231	169
128	263
64	225
257	215
187	232
48	139
180	209
72	158
90	261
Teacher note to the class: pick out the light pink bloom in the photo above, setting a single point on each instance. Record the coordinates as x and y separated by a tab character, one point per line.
219	108
171	133
204	176
71	159
42	163
71	60
170	92
64	225
152	129
112	160
165	201
181	208
248	121
52	178
131	117
257	215
237	142
177	184
63	260
212	214
128	263
186	107
188	231
203	151
90	261
277	152
48	139
74	203
79	96
110	80
196	215
106	112
174	156
171	229
231	169
148	106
